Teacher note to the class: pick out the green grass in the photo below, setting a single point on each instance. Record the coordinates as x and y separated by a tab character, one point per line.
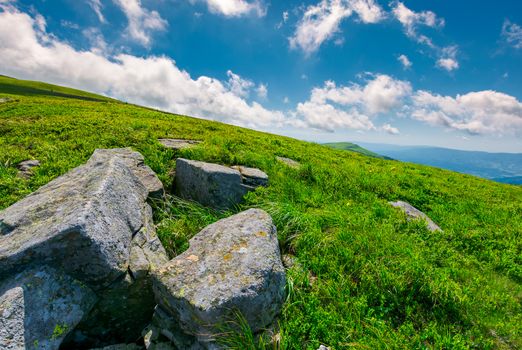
348	146
365	278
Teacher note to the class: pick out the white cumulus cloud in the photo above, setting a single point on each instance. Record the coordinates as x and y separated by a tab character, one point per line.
235	8
321	21
481	112
411	20
448	60
141	21
390	129
332	107
405	61
153	81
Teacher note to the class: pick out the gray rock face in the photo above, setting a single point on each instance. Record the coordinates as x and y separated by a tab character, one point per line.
231	265
94	225
39	307
290	162
81	222
215	185
413	213
178	144
126	307
136	163
25	168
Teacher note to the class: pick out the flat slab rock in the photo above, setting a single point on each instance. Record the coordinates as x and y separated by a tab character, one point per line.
215	185
39	307
178	144
290	162
413	213
233	264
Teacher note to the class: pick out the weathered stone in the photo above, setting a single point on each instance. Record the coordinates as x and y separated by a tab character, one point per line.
252	176
25	168
178	144
413	213
290	162
233	265
94	224
322	347
126	306
39	307
81	222
136	164
213	185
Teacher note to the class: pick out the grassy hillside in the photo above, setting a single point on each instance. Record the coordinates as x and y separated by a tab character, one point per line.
348	146
366	278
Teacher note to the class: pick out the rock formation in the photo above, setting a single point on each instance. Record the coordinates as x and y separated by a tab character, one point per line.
89	226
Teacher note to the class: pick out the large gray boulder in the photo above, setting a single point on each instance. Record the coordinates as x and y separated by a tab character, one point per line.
215	185
94	225
81	222
233	265
413	213
39	307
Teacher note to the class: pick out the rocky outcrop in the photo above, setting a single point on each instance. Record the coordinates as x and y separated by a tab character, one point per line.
233	265
413	213
215	185
91	225
39	307
178	144
290	162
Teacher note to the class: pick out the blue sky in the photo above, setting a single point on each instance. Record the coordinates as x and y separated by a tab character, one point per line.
429	72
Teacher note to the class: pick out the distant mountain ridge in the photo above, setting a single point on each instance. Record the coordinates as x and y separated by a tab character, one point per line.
500	167
348	146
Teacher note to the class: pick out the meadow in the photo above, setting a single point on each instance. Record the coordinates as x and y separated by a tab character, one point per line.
365	277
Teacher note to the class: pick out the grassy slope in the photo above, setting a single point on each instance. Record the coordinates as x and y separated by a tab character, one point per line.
348	146
366	278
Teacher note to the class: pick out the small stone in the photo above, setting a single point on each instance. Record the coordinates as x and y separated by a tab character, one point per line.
288	260
178	144
290	162
413	213
25	168
322	347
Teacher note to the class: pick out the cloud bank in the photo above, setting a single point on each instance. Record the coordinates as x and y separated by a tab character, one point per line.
29	51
